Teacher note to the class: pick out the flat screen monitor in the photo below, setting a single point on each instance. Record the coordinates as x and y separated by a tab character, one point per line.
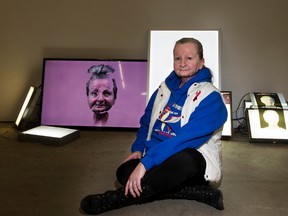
93	93
268	125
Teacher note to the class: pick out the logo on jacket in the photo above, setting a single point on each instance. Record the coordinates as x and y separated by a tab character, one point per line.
168	117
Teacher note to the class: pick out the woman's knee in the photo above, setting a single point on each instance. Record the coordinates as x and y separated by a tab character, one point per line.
191	159
124	170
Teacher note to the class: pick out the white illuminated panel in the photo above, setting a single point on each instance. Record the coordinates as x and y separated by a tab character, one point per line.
49	131
24	106
227	127
49	135
161	46
264	128
248	104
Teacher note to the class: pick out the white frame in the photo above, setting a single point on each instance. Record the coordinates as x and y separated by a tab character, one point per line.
160	59
228	125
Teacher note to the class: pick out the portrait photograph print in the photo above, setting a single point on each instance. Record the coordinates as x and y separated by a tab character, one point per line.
268	100
270	124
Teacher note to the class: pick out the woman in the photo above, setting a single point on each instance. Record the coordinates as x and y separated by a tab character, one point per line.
177	152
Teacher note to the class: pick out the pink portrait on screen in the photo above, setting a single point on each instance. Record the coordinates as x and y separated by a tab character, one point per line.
65	103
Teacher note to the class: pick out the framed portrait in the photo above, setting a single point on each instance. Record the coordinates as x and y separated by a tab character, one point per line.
267	125
228	126
267	100
160	59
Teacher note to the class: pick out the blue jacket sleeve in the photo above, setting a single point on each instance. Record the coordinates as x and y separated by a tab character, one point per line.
140	142
208	117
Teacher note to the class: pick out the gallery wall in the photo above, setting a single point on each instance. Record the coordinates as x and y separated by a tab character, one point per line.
253	34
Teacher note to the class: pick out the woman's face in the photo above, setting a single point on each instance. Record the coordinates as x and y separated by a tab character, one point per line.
101	97
187	61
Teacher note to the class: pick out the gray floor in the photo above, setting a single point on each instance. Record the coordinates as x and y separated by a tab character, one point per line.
37	179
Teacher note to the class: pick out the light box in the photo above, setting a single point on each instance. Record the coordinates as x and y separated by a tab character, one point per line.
49	135
228	126
161	45
267	125
267	100
27	107
65	100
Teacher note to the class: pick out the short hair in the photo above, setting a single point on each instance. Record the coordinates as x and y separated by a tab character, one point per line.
193	41
101	72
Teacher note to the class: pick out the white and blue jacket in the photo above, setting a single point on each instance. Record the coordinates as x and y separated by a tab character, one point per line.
189	117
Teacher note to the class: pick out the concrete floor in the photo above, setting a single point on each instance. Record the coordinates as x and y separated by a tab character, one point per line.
37	179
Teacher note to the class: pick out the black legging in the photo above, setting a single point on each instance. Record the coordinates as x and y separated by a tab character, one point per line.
183	168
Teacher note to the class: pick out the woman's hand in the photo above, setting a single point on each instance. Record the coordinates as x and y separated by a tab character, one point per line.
134	155
133	185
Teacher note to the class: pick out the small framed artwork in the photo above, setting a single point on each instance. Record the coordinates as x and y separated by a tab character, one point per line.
267	100
268	125
228	126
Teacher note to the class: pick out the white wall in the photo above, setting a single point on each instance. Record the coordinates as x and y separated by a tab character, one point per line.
254	38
